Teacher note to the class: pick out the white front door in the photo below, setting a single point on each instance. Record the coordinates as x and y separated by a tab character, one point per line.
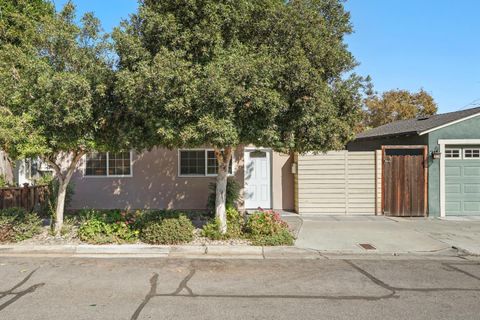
257	179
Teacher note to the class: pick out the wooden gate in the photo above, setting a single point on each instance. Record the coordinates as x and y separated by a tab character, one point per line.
404	181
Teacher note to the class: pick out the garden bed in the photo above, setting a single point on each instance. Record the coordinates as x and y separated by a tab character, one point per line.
157	227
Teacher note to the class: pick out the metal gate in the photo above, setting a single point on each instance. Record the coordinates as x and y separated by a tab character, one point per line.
404	181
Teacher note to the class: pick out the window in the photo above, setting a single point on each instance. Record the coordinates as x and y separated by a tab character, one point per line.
212	165
108	164
471	153
199	163
452	154
192	162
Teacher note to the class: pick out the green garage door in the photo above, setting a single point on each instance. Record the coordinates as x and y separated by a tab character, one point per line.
462	181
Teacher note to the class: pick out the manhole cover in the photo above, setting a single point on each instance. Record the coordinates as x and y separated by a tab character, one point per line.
367	246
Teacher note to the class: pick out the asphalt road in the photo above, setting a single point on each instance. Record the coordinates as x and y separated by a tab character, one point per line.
66	288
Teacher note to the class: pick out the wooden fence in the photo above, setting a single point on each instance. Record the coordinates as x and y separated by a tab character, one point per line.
27	197
338	182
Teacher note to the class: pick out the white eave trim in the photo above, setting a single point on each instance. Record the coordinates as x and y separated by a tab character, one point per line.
449	124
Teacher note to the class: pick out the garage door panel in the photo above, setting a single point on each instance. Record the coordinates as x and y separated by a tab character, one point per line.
453	206
471	171
453	171
471	206
453	188
471	188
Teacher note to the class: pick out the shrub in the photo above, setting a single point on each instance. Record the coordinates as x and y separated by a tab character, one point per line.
17	224
235	224
232	194
266	228
168	231
3	181
108	226
147	217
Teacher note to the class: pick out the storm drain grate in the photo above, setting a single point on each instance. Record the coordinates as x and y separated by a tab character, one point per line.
367	246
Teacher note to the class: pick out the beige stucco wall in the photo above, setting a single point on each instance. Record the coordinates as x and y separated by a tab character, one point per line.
282	182
155	184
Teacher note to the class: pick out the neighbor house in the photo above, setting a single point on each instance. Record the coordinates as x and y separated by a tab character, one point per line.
450	145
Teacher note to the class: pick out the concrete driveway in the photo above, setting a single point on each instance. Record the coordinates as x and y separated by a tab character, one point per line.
344	234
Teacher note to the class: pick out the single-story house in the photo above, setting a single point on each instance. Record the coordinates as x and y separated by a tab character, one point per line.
450	146
180	179
428	166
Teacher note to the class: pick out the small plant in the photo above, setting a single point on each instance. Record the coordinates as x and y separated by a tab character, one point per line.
168	231
3	182
109	226
232	194
17	224
235	225
266	228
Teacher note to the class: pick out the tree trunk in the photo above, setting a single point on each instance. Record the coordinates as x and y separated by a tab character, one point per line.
61	195
223	159
63	181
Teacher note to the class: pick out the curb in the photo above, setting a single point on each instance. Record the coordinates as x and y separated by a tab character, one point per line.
211	252
151	251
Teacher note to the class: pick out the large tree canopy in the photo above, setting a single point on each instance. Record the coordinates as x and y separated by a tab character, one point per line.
55	94
223	73
396	105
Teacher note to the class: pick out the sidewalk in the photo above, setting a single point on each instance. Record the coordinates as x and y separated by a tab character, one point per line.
324	237
344	234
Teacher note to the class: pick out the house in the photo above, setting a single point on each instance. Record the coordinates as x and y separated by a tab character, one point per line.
428	166
440	152
180	179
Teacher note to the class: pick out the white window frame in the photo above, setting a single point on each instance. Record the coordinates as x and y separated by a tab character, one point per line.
460	153
108	168
206	161
470	158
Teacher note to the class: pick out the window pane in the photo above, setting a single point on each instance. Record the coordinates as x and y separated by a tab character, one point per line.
452	153
119	163
212	164
472	153
192	162
96	164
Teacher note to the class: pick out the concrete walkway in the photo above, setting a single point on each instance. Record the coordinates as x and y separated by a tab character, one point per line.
344	234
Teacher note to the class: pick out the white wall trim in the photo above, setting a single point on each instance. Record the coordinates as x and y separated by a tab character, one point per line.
443	143
449	124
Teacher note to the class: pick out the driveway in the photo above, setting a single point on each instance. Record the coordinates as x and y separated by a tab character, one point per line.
138	289
345	234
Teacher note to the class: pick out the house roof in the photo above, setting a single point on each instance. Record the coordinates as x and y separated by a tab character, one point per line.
419	126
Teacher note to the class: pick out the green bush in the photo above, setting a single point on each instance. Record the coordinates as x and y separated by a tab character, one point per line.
107	226
3	181
17	224
168	231
232	194
266	228
235	225
144	218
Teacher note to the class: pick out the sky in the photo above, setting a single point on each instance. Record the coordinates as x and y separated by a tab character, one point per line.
401	44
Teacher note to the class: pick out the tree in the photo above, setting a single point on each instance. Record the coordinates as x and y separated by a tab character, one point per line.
229	73
18	19
55	94
397	105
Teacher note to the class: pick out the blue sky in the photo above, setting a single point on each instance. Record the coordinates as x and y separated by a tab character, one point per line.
404	44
